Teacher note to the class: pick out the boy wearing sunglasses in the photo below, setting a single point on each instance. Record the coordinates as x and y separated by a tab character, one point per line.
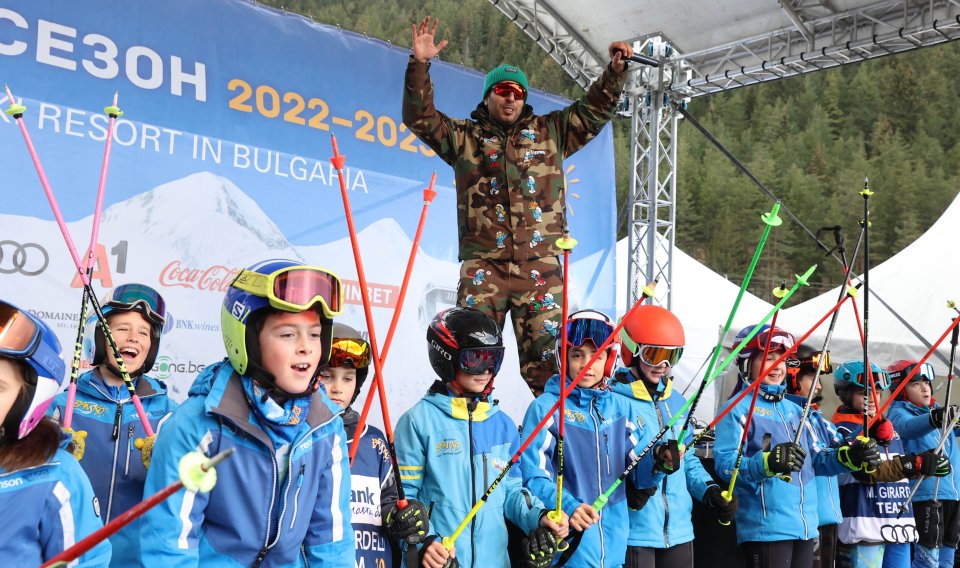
661	533
283	498
109	438
777	519
508	160
373	489
453	444
599	440
923	423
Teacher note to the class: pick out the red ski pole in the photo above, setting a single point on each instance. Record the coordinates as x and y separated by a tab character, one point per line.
428	195
191	472
338	161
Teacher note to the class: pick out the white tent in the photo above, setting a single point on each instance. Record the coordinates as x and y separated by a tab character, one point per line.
702	300
916	283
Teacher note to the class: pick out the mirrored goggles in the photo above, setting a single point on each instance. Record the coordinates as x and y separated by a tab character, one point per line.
350	350
655	355
925	373
19	335
295	288
881	380
504	89
133	296
778	339
479	360
580	330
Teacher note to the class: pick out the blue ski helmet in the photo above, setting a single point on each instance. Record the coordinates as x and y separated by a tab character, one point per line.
284	285
849	377
25	337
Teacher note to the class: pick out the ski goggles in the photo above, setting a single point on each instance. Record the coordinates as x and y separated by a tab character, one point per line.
656	355
295	288
505	88
821	360
777	338
479	360
881	380
580	330
138	296
20	337
350	350
925	373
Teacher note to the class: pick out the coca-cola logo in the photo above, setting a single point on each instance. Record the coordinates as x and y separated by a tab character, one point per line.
216	278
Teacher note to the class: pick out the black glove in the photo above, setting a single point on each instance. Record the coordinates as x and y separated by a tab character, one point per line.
637	498
784	458
938	415
725	510
928	463
409	523
666	457
539	548
929	518
882	431
862	454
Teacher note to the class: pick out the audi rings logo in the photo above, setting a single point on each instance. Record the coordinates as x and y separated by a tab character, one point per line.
28	259
899	534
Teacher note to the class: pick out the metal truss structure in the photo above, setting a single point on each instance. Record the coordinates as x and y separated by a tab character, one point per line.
804	36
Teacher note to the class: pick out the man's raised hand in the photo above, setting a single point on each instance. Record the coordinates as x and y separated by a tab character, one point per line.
423	35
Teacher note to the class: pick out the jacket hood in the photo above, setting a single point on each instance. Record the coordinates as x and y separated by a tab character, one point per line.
460	408
579	395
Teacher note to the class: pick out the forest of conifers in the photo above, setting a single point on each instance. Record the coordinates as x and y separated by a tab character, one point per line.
810	139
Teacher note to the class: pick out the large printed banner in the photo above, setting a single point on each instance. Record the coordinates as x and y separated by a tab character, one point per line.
222	159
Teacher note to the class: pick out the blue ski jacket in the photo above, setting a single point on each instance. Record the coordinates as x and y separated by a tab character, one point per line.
46	509
252	516
450	449
373	493
772	509
913	424
671	507
825	435
599	441
110	459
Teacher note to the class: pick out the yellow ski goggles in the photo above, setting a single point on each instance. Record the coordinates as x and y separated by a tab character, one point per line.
295	288
352	350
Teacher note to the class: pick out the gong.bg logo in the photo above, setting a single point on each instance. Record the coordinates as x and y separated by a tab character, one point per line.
166	366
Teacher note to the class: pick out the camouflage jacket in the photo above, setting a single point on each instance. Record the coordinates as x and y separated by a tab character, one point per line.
510	182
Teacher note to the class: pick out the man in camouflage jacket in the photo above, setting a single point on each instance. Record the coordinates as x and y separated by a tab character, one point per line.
508	164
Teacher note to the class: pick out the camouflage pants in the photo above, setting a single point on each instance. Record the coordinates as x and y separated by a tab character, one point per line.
532	292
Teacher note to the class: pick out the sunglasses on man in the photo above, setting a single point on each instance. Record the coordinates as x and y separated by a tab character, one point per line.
504	89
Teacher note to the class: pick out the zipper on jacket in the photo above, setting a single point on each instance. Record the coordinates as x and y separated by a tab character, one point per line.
126	467
296	496
596	424
473	484
116	452
799	475
273	495
666	506
116	422
486	482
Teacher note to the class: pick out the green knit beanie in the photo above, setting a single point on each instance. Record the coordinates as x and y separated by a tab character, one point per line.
504	73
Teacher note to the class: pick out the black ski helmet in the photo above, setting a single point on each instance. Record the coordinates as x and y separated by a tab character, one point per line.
350	347
457	329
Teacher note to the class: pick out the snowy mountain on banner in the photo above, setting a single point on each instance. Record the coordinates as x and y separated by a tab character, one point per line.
202	218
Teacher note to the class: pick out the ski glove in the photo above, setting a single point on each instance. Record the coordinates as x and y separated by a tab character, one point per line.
79	442
637	498
725	510
939	415
409	523
882	431
928	463
862	454
539	548
666	457
783	458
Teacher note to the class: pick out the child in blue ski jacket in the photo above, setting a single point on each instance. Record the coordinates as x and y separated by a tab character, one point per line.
283	497
873	530
661	532
46	501
777	520
377	523
922	422
112	445
599	441
454	443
